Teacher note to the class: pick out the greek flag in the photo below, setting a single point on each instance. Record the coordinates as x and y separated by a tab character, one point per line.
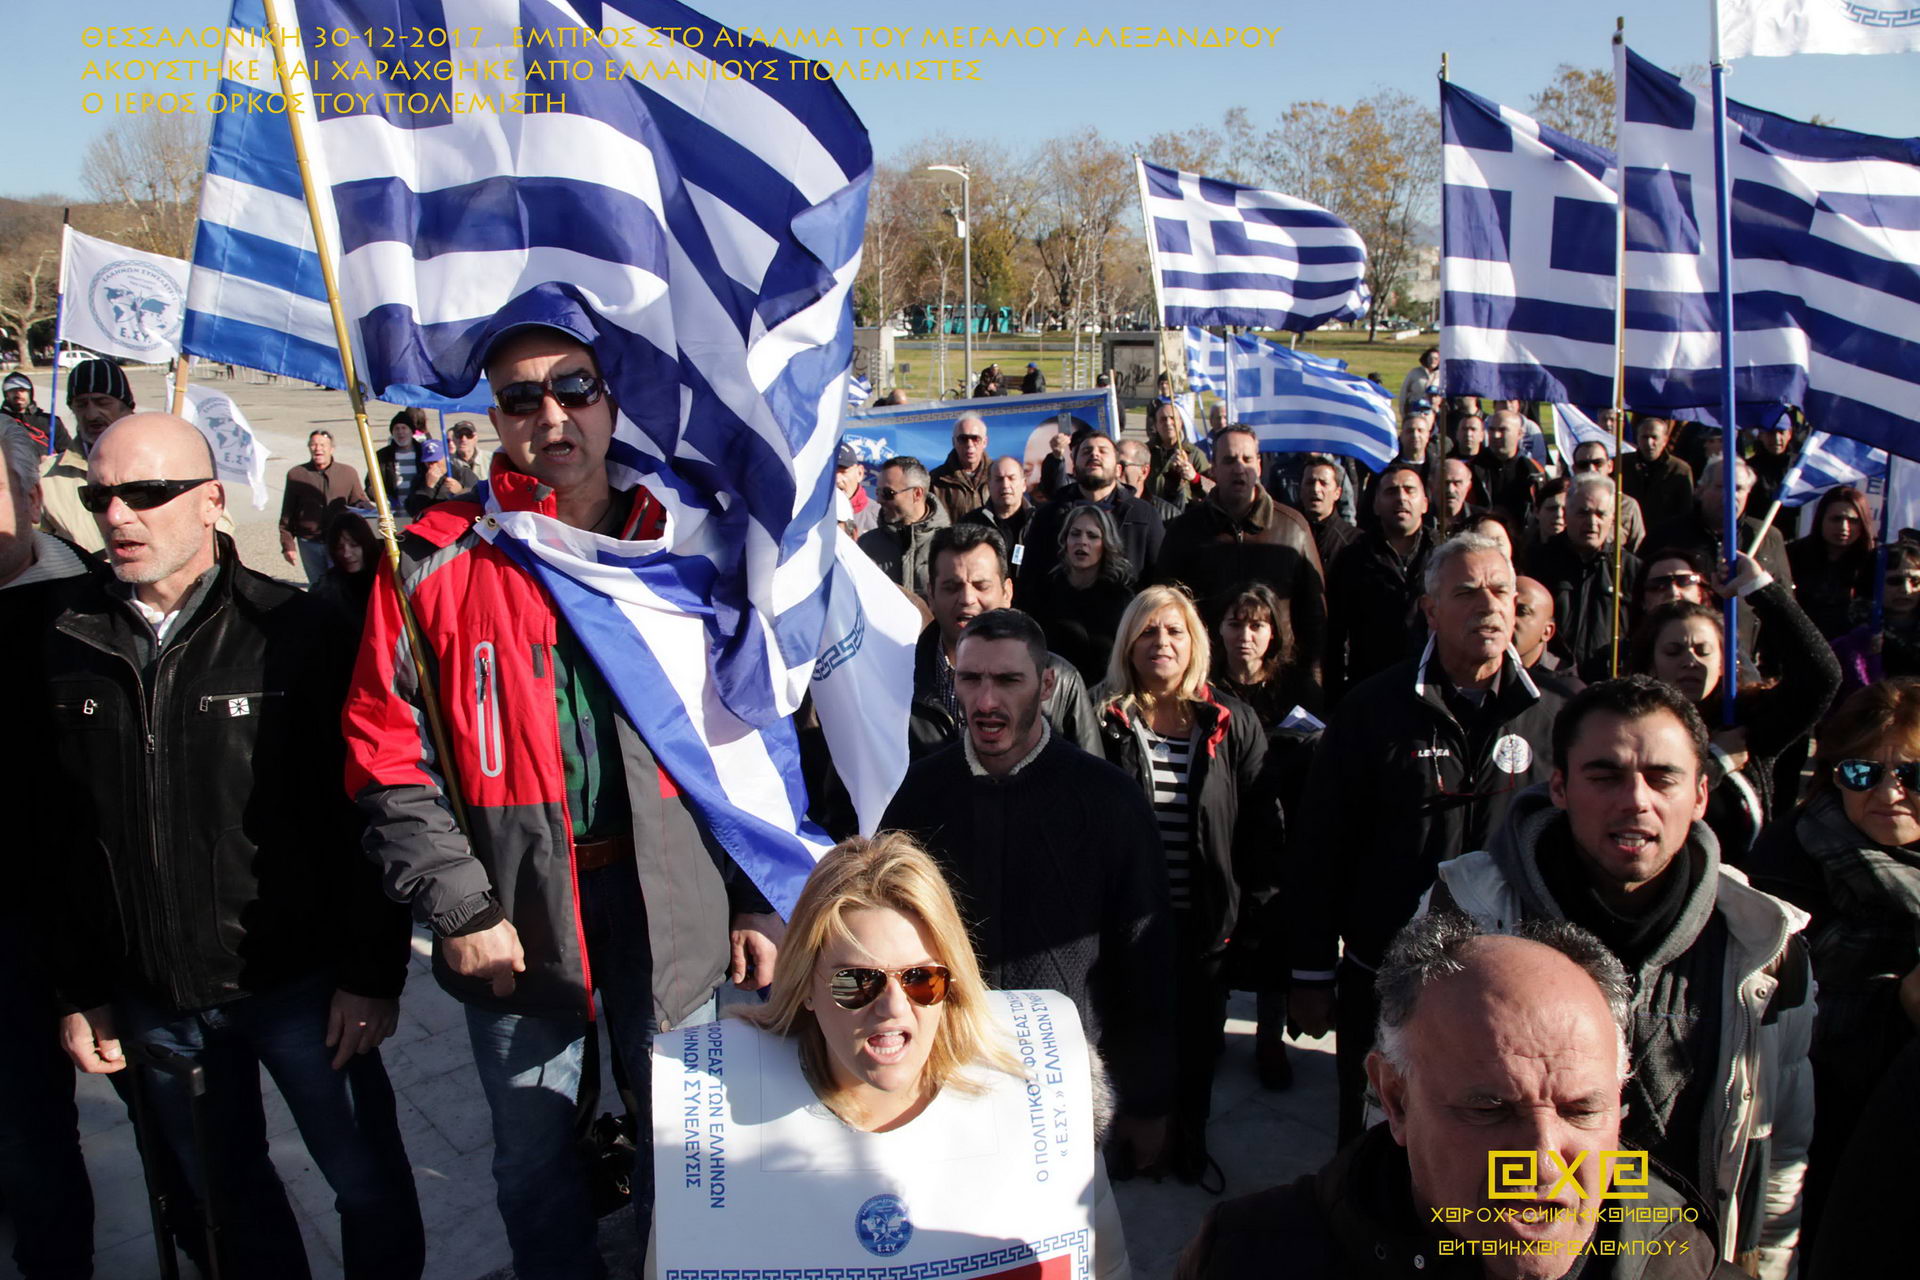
1826	260
1306	404
701	232
256	297
859	391
1527	234
1206	361
1227	254
1827	461
1574	427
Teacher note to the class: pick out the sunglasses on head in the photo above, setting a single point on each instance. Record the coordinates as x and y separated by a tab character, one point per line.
925	985
570	390
141	495
1865	775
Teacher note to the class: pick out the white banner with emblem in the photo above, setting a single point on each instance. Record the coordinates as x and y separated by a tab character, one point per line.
754	1176
121	301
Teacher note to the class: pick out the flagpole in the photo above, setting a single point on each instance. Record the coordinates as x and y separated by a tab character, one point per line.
1787	481
376	482
182	370
59	332
1436	437
1729	427
1619	363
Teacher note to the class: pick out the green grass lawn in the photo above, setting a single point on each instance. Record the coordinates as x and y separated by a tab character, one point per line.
919	360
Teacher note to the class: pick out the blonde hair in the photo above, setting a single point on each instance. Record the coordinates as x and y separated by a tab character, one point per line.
890	872
1121	689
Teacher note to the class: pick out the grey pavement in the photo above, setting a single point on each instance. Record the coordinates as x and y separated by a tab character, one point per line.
1259	1137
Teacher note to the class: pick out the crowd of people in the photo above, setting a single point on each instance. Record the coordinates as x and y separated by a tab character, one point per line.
1441	758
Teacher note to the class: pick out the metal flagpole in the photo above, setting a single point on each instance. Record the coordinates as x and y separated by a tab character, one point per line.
1729	428
59	332
1436	448
376	483
1619	356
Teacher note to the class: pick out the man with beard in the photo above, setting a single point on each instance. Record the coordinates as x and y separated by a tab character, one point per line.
1096	471
1417	765
99	396
1054	856
1373	588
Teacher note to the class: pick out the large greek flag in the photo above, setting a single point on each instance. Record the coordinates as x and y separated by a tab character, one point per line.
1527	257
1228	254
1306	404
701	232
1827	461
1826	264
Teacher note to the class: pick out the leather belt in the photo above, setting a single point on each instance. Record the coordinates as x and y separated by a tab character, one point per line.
590	853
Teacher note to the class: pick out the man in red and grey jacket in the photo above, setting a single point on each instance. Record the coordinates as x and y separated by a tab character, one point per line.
581	869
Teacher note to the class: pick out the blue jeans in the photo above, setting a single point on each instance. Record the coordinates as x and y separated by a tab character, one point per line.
43	1180
346	1118
530	1070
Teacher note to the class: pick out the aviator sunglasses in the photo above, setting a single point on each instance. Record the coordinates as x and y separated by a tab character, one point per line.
1865	775
571	390
925	985
141	495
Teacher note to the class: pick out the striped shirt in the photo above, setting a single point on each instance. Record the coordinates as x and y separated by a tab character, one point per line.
1174	813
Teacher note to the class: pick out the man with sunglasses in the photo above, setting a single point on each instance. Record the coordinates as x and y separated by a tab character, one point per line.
1592	458
579	869
1722	1017
213	898
1418	764
960	483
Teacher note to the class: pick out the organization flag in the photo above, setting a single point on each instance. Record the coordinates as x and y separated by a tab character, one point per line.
1233	255
120	301
1771	28
239	456
1826	264
1527	273
1306	404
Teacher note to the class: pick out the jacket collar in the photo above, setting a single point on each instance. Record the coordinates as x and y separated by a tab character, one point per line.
1513	689
1257	517
1210	716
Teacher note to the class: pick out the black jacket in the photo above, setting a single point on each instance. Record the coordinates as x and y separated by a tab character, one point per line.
1357	1219
1235	812
1663	487
1139	524
1398	786
1330	537
1080	625
1582	588
210	852
930	726
1013	530
1373	610
1060	875
1827	589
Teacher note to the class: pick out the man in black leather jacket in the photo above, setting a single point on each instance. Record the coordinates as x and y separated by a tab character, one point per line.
215	901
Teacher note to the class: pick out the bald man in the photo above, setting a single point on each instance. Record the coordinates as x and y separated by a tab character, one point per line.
1533	627
1486	1044
212	891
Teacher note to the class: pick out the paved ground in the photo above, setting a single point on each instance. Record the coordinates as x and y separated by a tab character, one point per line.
1259	1137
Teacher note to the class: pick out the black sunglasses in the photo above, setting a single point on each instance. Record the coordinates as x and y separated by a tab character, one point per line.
141	495
925	985
571	390
1865	775
1590	464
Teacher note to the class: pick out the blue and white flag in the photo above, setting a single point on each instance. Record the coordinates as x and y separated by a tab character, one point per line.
1774	28
1826	263
1527	257
1206	361
1573	427
1827	461
120	301
1305	404
1227	254
859	391
699	230
256	297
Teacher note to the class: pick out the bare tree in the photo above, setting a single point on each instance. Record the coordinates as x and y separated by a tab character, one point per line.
145	170
29	268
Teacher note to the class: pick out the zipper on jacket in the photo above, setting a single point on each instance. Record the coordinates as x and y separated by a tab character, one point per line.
486	698
566	833
1748	1046
208	699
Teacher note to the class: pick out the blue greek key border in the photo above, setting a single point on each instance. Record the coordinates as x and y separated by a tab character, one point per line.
1078	1242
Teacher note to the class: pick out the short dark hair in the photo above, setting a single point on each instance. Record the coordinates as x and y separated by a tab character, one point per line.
318	431
1630	698
1392	467
912	470
1238	429
1009	624
958	539
1641	643
1322	460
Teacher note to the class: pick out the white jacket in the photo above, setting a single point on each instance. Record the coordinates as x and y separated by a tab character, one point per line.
1765	1113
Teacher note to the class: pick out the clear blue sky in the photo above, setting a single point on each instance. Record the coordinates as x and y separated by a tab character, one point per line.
1504	49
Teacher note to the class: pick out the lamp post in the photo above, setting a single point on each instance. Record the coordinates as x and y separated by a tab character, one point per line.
966	249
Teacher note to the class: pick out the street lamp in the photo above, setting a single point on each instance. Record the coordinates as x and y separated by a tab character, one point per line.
966	249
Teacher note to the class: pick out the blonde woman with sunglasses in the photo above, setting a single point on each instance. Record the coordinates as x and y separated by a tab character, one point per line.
882	1106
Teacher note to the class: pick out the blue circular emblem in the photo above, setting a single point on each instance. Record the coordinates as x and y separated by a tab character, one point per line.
882	1227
